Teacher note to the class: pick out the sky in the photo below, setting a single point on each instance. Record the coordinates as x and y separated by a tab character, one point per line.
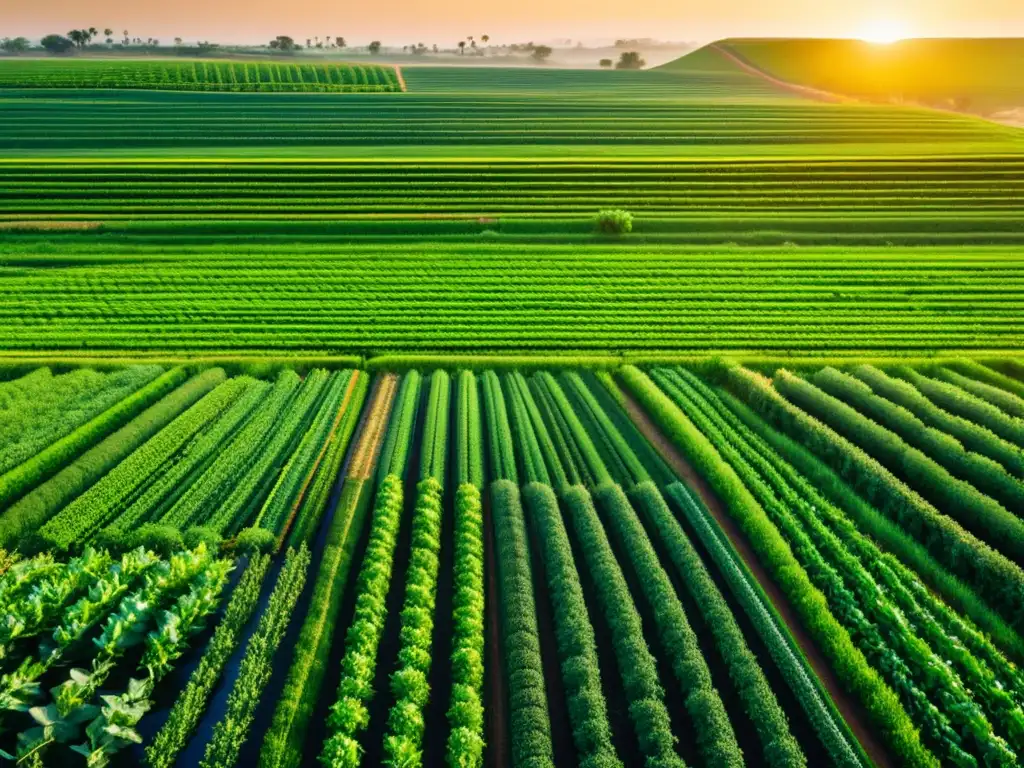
444	22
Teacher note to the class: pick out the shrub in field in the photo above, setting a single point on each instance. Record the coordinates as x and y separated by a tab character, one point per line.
197	535
162	539
254	540
614	221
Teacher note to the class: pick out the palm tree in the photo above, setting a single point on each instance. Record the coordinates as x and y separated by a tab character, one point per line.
486	39
462	47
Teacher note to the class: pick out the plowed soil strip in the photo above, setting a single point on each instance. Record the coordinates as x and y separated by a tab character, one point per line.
851	709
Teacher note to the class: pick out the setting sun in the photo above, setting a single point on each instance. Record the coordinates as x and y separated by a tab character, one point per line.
884	31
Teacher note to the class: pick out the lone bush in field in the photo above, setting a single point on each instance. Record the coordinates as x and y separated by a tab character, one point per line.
614	222
630	60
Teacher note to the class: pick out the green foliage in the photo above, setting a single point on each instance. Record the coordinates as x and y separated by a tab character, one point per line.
1008	402
197	535
66	447
404	738
614	221
963	403
233	473
35	508
983	473
956	498
645	697
319	494
779	747
232	729
501	453
716	740
435	430
349	714
254	540
97	506
466	713
873	523
857	676
997	579
284	740
889	641
529	725
469	435
577	647
295	476
203	76
167	486
394	453
162	539
826	720
972	436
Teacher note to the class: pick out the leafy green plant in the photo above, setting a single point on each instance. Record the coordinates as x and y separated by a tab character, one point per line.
614	221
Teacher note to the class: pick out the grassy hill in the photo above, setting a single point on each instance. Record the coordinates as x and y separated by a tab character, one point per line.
978	75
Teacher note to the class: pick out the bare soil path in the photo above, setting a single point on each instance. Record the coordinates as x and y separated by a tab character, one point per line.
849	708
798	90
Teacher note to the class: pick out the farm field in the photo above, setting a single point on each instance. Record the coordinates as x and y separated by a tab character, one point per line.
505	417
132	293
692	565
239	77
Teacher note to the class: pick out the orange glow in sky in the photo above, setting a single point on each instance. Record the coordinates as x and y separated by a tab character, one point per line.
446	21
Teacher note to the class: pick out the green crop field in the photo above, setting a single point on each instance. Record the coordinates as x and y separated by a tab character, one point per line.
270	76
499	417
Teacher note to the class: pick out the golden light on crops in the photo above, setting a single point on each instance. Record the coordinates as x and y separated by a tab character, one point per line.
884	31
